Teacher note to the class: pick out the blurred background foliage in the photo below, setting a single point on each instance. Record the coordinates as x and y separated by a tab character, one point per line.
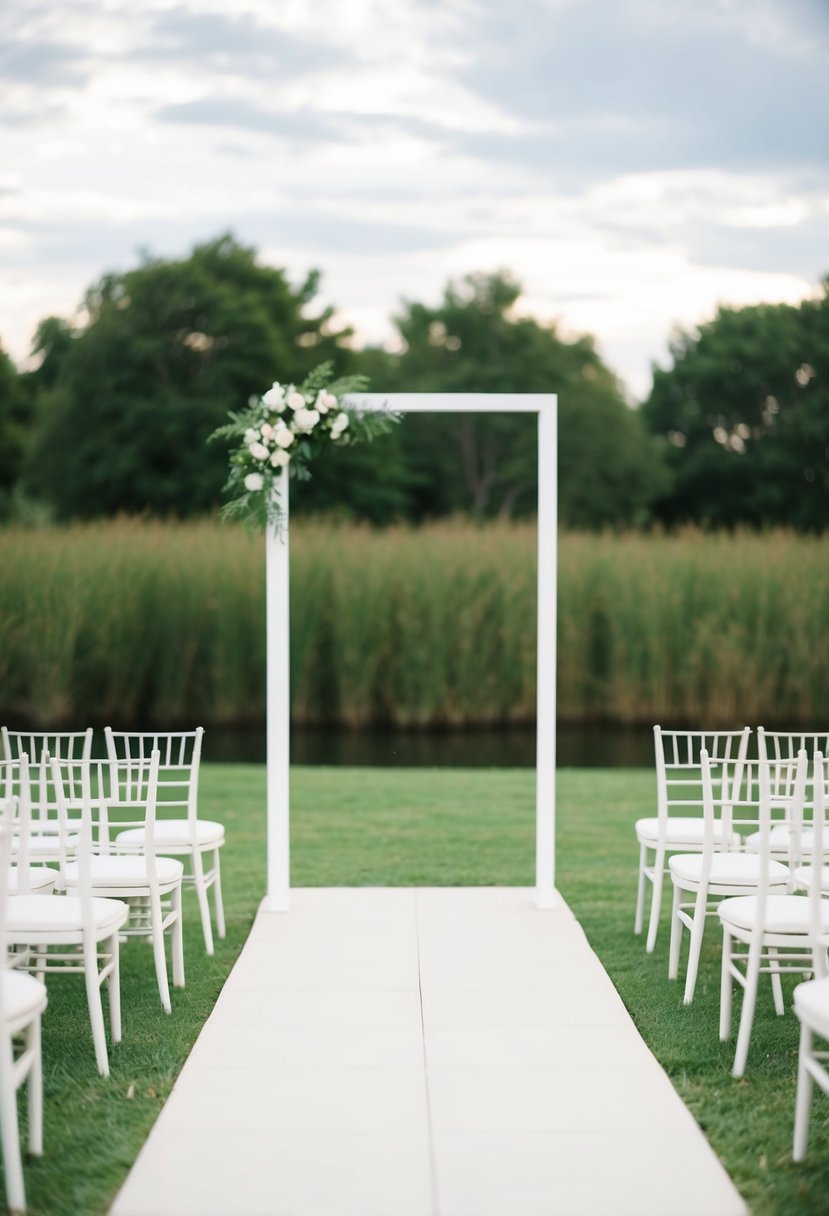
150	622
676	600
113	410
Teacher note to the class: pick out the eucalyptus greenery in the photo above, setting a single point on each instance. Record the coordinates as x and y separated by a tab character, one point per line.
281	432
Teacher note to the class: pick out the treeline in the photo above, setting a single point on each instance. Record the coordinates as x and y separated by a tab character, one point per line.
114	412
132	622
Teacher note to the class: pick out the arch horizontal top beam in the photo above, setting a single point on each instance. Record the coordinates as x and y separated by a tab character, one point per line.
451	403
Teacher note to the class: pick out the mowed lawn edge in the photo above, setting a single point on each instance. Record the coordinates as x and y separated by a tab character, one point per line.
426	827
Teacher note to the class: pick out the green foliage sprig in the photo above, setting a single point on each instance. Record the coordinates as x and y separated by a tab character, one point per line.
281	432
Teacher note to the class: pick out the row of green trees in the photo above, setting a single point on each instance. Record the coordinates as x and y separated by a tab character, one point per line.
115	415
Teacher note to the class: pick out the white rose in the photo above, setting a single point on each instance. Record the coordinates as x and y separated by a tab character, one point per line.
267	430
284	437
296	401
275	395
306	420
254	481
280	458
251	436
326	401
339	425
258	451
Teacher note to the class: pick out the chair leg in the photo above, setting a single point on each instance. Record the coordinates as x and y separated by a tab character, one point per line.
159	953
803	1101
726	987
96	1013
747	1011
695	948
35	1084
201	893
656	899
39	970
10	1130
178	939
676	935
776	985
114	988
639	918
217	895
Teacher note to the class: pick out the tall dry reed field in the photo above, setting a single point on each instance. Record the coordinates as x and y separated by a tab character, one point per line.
131	621
707	629
146	622
413	626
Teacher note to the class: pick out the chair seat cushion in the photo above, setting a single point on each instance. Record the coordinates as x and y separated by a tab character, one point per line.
783	913
61	914
811	1004
679	831
803	877
727	869
779	837
120	871
171	834
23	995
45	845
41	878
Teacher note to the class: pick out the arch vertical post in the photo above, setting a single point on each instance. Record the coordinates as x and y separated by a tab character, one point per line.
278	705
545	791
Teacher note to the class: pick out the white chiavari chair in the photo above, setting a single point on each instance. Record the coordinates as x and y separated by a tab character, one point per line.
179	830
22	1002
678	826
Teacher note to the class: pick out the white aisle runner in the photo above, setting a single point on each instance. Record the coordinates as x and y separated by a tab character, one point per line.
423	1052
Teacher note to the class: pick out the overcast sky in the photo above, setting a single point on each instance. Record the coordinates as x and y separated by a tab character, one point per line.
633	162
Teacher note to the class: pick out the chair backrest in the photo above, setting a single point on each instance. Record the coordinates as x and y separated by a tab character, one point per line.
744	792
784	745
16	814
781	746
679	788
76	837
42	747
112	801
179	761
61	744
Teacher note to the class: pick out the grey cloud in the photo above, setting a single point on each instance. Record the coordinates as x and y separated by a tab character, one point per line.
333	234
238	44
244	115
115	245
32	114
43	63
228	148
601	87
801	249
104	246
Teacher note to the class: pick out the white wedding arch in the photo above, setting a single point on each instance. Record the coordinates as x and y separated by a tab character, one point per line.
543	405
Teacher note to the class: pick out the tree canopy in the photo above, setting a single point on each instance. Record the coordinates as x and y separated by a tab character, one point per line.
487	464
743	417
115	416
129	398
15	418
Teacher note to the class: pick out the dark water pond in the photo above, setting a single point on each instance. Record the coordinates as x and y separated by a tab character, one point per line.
576	747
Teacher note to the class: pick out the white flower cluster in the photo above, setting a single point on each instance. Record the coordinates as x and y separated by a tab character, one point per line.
287	416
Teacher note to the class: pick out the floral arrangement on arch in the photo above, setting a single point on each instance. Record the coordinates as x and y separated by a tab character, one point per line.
282	431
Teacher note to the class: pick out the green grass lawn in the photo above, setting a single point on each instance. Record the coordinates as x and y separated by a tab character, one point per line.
390	827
